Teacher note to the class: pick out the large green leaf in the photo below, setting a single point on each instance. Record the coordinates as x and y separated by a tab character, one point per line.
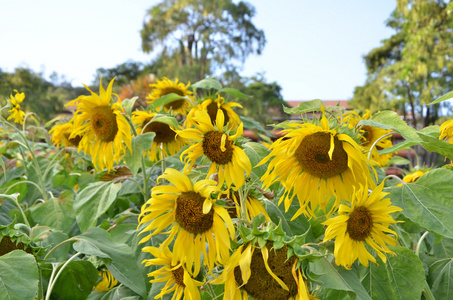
93	201
119	258
165	100
431	142
76	281
338	278
234	92
256	152
447	96
304	107
390	120
128	104
208	84
440	266
55	212
441	278
428	201
401	277
18	276
61	253
140	144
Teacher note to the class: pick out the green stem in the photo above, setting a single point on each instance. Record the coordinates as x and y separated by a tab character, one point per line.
58	245
145	180
419	244
395	177
427	292
138	185
14	200
374	144
20	182
52	281
35	162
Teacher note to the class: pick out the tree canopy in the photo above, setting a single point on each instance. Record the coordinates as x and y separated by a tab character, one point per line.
198	37
412	67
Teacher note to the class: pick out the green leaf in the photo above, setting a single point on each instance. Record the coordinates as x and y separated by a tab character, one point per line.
76	280
140	144
447	96
304	107
55	212
165	100
401	277
277	216
93	201
119	258
428	201
128	104
208	84
18	276
234	92
256	152
20	188
390	120
169	120
441	278
255	126
431	142
398	160
61	253
398	147
338	278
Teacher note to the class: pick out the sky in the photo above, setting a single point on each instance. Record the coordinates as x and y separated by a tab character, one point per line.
314	49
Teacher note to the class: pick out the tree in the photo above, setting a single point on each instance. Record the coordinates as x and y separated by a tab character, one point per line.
412	67
198	37
124	73
265	102
42	97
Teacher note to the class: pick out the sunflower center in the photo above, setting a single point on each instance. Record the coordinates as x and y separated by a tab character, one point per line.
178	275
261	284
212	112
189	213
313	155
104	124
74	141
164	134
212	148
367	135
7	245
360	223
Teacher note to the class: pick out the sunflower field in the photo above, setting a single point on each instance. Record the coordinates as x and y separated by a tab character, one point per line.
172	201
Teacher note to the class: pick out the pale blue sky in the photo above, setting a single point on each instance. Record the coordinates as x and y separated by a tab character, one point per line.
314	48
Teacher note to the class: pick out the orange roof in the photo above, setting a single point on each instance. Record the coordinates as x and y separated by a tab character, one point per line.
343	103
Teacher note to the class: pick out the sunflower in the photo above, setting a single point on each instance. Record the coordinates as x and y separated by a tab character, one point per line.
253	206
212	106
413	177
194	218
446	131
366	221
61	135
107	282
178	279
264	273
166	142
105	131
371	137
228	160
315	163
15	112
166	87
